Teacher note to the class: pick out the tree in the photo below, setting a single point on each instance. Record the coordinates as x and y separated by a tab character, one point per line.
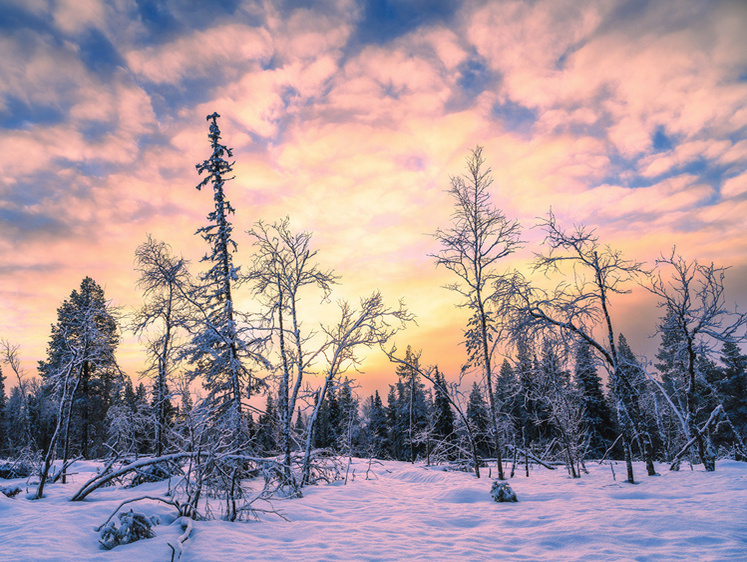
443	415
366	327
82	346
596	412
283	267
165	282
375	429
412	407
575	309
696	318
4	447
80	363
479	237
730	383
479	420
220	348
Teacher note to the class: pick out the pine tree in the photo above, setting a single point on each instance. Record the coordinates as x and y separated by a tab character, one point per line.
377	425
731	386
412	407
266	437
396	432
81	348
597	415
633	390
3	417
218	351
479	420
443	415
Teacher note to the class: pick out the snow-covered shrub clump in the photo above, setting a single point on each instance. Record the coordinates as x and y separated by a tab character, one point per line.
11	491
20	469
132	527
502	492
153	473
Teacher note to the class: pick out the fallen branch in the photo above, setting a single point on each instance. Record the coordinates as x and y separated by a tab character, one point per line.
177	548
102	479
169	502
531	456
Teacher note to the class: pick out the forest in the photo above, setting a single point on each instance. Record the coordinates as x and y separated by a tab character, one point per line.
230	398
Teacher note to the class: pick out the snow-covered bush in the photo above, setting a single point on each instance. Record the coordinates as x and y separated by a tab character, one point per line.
152	473
18	469
502	492
132	527
10	491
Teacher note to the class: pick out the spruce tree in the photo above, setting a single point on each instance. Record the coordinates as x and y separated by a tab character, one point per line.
217	350
443	415
479	420
597	415
3	417
81	349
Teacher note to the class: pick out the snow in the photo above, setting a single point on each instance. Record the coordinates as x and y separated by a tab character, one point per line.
409	511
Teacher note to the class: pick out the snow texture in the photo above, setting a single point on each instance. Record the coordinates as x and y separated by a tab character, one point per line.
413	512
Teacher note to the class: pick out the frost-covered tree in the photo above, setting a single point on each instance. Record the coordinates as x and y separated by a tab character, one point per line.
412	407
165	283
695	320
4	445
82	345
80	369
372	324
221	345
578	308
596	413
284	270
443	416
479	237
479	420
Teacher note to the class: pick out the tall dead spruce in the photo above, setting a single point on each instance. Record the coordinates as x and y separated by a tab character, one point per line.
479	237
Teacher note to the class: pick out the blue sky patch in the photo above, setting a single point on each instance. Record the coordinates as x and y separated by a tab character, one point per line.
515	117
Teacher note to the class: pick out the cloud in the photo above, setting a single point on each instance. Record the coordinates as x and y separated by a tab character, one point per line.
351	117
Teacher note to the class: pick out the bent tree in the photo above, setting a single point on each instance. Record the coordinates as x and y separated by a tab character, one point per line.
480	236
695	320
579	308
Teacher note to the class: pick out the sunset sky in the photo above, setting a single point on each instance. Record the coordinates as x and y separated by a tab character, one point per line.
350	117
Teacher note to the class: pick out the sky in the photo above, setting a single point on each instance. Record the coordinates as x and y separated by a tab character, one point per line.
351	118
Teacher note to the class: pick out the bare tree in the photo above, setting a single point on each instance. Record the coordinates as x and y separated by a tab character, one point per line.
373	324
164	280
578	305
283	267
692	297
479	237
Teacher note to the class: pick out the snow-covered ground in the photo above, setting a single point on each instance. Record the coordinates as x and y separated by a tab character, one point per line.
408	511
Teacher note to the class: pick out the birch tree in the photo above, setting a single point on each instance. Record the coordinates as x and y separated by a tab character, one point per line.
579	308
697	319
284	268
479	237
164	280
372	324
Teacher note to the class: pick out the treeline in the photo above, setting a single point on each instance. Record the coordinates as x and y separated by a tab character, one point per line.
530	387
